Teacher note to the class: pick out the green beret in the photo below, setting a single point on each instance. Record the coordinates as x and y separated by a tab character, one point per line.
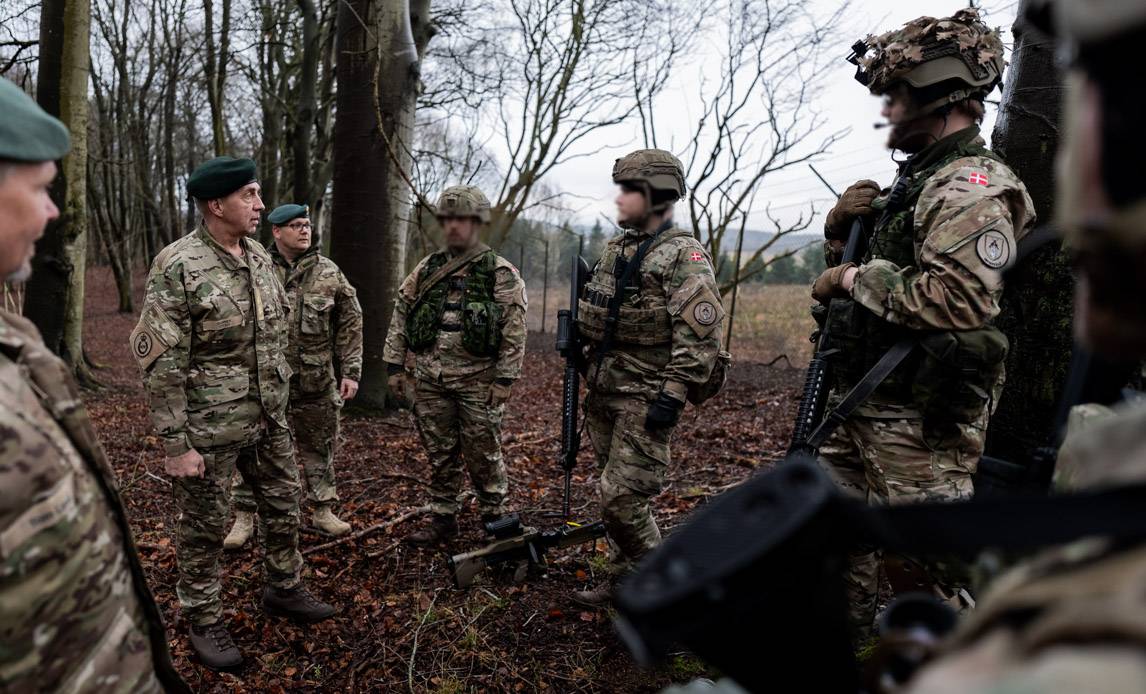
219	177
27	132
284	213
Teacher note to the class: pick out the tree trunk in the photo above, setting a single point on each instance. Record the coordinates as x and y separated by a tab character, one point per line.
1037	302
216	71
378	70
55	296
304	126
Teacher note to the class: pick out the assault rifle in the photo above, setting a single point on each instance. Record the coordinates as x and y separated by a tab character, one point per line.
570	348
514	542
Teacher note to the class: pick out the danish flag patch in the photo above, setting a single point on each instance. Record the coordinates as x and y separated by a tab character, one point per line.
696	257
976	178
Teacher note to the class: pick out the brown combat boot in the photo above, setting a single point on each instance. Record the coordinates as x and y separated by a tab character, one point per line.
215	648
296	604
600	595
437	530
327	523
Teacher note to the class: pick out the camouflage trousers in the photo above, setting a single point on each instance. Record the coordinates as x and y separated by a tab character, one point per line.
204	503
458	427
633	462
887	461
314	425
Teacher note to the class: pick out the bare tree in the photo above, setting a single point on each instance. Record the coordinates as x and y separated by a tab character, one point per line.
380	46
55	297
217	58
760	118
544	75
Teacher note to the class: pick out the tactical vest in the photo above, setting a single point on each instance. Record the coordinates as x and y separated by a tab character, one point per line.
481	315
950	376
635	326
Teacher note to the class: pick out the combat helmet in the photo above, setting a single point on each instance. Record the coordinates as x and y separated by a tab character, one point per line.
463	201
654	171
946	60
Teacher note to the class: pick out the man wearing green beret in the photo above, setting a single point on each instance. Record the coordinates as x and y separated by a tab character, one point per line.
325	355
212	343
75	611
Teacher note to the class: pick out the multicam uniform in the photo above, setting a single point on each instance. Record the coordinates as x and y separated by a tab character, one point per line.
931	274
471	334
75	611
325	341
667	341
212	344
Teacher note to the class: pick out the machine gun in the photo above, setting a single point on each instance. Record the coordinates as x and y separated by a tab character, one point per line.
753	582
569	346
514	542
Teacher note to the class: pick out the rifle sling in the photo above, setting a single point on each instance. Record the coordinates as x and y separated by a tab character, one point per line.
618	297
452	266
861	391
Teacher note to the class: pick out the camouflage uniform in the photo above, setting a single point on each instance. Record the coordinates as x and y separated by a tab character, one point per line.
1070	618
326	344
931	273
453	386
75	611
211	342
667	341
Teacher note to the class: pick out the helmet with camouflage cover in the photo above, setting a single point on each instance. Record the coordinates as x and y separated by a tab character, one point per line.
463	201
653	170
959	52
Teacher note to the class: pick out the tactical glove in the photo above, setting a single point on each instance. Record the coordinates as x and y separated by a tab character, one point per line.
499	392
855	202
663	413
830	284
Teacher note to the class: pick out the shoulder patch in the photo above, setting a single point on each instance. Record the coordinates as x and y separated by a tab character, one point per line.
993	249
153	335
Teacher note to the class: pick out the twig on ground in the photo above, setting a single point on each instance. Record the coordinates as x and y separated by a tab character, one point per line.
417	632
412	513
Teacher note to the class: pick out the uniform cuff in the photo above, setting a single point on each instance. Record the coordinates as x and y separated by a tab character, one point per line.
675	390
176	447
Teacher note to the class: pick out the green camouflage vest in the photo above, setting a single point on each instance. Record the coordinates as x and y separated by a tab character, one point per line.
862	337
481	316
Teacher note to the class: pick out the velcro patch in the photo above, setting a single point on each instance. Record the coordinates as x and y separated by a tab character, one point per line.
153	335
703	312
993	248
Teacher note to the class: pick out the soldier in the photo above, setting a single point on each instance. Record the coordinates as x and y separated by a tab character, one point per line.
325	338
75	611
930	275
654	348
1070	619
462	313
212	343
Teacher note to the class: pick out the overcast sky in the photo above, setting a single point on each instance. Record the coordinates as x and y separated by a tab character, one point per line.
845	104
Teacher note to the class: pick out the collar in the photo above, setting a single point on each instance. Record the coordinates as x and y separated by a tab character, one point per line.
941	149
228	259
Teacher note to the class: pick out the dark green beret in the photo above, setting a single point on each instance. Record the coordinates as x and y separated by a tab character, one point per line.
219	177
27	132
284	213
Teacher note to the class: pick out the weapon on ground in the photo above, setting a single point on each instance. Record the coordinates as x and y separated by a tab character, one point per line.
514	542
753	582
570	348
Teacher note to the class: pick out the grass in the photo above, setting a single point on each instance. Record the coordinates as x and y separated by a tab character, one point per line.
770	320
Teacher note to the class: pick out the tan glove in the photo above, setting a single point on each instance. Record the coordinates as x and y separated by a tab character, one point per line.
830	284
855	202
499	393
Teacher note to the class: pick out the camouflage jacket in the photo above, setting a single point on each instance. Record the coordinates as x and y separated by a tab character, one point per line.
75	610
212	344
1069	618
325	333
669	331
448	360
967	220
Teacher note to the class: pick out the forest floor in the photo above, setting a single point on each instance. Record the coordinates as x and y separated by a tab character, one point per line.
402	625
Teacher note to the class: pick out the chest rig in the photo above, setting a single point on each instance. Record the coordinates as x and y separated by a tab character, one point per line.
480	324
950	376
618	275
